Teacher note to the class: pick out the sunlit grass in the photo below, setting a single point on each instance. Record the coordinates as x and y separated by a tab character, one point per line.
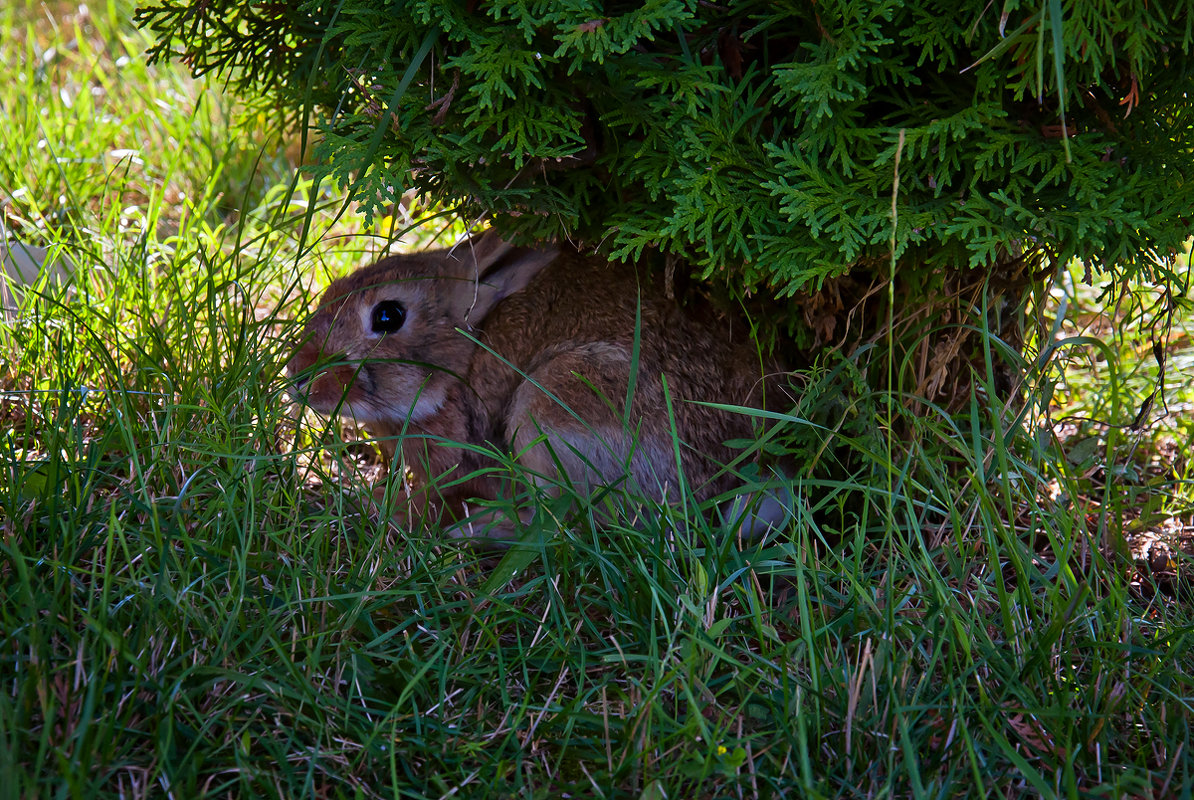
200	599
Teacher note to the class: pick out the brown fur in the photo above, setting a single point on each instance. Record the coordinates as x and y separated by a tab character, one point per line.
563	320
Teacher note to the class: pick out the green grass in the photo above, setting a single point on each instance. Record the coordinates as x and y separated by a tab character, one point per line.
197	601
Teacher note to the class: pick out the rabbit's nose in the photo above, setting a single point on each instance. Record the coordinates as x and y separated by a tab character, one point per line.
325	380
305	366
304	360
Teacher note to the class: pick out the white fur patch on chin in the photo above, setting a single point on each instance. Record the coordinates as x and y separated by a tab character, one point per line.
425	406
360	412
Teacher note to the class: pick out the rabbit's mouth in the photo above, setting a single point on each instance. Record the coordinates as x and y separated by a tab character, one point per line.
339	388
352	389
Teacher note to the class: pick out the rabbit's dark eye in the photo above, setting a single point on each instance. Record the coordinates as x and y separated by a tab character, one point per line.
388	316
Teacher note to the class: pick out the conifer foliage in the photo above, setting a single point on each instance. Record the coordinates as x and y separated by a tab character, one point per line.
759	139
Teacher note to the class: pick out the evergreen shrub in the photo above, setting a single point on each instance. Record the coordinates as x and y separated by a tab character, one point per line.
759	141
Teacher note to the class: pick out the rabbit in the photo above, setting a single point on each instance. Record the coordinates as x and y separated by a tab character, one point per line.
394	346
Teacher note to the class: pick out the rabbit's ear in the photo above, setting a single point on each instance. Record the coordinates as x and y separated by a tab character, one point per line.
486	250
500	270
